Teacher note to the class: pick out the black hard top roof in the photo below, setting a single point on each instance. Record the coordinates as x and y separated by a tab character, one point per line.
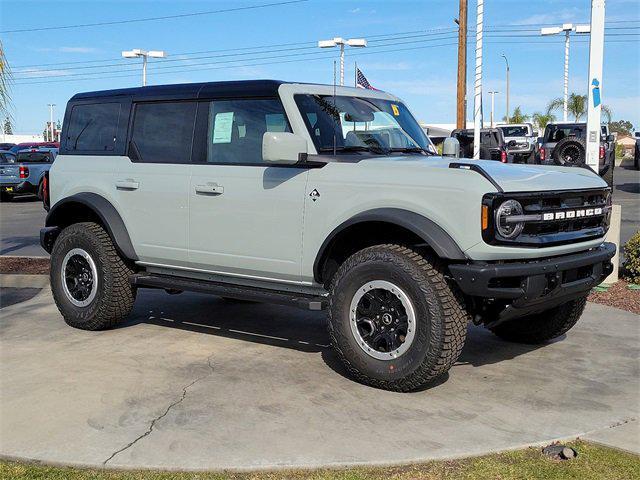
248	88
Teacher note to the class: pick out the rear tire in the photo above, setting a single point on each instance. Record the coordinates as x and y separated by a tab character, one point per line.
406	290
542	327
608	175
89	279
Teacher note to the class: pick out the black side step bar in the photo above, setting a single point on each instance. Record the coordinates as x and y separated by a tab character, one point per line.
240	292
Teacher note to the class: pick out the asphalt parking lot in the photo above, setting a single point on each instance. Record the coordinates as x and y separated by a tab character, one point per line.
193	382
22	218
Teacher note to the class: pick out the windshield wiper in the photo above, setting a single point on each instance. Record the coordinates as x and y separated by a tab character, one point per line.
353	148
412	150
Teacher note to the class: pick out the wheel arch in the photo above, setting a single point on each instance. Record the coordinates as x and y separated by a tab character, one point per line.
87	206
387	224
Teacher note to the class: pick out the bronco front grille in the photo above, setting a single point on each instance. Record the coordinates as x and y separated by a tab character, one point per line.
554	218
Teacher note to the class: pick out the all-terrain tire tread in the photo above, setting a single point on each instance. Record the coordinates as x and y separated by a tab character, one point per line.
118	301
450	338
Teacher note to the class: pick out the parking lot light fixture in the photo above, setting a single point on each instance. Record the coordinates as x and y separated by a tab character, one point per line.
136	53
567	28
339	41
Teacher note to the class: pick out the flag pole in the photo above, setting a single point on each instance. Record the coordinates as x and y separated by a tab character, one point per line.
355	74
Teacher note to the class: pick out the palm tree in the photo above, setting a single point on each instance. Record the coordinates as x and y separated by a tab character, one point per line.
517	117
542	119
576	106
5	80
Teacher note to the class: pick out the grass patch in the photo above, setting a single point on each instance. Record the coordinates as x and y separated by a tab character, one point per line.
593	462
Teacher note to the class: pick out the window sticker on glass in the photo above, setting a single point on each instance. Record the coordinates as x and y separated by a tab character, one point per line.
222	126
396	112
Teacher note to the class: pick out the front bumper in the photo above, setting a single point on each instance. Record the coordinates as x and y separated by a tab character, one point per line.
535	285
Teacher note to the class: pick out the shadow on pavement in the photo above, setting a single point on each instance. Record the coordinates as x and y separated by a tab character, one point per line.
11	296
11	244
287	327
629	187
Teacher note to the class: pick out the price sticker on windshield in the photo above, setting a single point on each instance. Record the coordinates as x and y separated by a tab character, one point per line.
396	111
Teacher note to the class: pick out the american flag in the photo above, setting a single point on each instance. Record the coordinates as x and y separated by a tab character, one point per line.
361	80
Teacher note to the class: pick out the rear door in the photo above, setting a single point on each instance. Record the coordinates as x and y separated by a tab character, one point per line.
151	185
245	216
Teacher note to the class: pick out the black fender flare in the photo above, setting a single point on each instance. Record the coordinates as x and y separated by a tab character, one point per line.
106	212
429	231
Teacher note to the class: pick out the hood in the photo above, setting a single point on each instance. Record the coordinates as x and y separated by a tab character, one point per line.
513	177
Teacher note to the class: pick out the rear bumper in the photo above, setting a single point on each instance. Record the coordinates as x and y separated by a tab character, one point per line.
21	187
536	285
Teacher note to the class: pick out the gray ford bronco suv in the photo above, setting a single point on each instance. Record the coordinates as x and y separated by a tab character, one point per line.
323	198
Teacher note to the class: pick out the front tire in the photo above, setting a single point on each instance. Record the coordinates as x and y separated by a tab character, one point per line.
542	327
393	319
89	280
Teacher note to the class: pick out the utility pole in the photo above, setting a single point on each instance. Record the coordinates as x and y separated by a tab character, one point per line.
136	52
594	107
507	62
493	97
477	96
341	42
461	110
51	105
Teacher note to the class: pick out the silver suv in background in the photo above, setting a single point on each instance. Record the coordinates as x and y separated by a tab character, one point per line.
322	198
521	142
24	172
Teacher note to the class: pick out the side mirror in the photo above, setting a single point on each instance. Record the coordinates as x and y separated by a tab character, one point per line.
611	138
282	147
451	147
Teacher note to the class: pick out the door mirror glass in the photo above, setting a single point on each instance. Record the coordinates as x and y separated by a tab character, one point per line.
282	147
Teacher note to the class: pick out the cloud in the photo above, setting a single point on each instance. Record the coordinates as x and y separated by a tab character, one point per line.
354	10
39	72
566	14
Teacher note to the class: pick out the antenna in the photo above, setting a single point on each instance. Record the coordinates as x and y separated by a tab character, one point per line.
334	107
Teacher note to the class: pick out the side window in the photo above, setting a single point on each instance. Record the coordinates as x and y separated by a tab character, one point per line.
163	132
93	127
236	127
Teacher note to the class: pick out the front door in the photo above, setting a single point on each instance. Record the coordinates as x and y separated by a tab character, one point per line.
245	216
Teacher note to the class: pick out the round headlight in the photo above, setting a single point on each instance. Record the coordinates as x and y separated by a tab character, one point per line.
506	226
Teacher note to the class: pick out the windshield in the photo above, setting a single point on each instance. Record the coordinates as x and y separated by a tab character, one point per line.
34	157
515	131
361	124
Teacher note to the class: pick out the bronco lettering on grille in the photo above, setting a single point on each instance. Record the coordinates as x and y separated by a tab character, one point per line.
567	214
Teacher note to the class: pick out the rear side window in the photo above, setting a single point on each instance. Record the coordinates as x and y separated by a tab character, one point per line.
93	127
163	132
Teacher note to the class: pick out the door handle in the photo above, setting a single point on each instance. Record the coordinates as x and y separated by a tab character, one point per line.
210	189
127	184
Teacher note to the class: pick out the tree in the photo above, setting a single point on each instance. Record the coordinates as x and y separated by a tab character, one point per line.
517	117
624	127
7	127
576	106
542	119
5	80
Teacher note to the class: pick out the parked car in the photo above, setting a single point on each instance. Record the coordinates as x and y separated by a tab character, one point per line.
6	146
636	152
24	173
564	144
521	142
321	197
492	144
28	145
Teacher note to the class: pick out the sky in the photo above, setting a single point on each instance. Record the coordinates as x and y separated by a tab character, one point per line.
412	50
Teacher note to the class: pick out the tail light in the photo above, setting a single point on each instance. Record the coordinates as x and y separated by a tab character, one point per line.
45	191
24	171
543	154
601	152
503	156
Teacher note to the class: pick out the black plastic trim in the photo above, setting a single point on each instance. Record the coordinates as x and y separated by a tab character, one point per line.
107	213
241	292
426	229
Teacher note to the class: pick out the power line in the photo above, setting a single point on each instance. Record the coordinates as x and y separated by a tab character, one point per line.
152	19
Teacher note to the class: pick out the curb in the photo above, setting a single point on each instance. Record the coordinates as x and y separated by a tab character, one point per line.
24	281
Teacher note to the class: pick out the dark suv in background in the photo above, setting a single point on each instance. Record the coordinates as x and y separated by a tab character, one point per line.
565	144
492	144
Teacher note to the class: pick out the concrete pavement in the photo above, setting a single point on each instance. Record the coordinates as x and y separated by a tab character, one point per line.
194	382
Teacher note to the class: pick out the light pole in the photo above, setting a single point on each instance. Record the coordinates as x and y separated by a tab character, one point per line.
493	97
51	105
136	52
507	62
353	42
567	28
